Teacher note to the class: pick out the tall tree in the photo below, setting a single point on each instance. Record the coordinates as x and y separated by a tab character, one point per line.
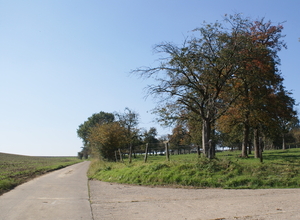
200	75
259	76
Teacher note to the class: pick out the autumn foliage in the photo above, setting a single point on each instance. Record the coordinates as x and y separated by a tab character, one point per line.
227	75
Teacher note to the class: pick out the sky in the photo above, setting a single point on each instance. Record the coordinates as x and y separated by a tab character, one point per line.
63	60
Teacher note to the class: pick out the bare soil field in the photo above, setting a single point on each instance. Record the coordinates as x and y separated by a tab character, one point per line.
117	201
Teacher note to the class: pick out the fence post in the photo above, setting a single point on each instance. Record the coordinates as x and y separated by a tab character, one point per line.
146	153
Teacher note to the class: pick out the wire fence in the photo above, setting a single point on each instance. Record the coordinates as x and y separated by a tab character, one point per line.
151	149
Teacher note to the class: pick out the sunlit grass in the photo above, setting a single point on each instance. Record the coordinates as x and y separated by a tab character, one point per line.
280	169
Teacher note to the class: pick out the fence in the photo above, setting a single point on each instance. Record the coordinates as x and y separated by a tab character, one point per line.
162	149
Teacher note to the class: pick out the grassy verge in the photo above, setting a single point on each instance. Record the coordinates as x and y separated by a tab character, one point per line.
17	169
280	169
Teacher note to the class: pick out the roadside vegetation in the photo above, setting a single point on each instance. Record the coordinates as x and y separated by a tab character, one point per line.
280	169
17	169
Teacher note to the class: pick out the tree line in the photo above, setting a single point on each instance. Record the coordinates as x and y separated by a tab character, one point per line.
222	86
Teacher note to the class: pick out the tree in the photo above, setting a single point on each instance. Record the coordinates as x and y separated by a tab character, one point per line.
107	138
257	77
129	121
199	76
295	132
179	136
150	136
84	129
282	113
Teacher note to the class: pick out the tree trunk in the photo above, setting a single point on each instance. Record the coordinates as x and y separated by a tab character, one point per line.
130	153
116	156
283	142
206	127
211	147
146	153
249	147
198	150
167	151
120	153
245	138
256	143
260	150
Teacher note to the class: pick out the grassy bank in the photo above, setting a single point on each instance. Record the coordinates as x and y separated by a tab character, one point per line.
280	169
17	169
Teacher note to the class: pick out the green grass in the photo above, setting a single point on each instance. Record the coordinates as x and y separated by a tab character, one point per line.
280	169
17	169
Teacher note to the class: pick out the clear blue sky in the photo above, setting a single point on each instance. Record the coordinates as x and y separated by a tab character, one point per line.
63	60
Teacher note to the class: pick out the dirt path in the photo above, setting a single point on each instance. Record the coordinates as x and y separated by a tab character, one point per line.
124	202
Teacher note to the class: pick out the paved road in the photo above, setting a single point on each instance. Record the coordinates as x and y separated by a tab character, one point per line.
62	194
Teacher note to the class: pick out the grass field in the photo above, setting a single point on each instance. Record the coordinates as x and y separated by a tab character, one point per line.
17	169
280	169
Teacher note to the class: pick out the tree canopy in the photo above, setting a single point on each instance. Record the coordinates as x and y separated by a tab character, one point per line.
84	129
106	139
224	64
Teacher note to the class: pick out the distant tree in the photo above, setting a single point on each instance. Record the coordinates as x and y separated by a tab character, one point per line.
295	132
107	138
283	114
80	155
194	124
84	129
150	136
163	138
179	136
129	120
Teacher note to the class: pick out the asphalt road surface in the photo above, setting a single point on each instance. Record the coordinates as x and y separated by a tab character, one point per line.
62	194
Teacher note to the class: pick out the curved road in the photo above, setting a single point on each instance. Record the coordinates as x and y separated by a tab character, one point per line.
62	194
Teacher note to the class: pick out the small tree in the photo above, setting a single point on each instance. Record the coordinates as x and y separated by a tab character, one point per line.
106	139
150	136
129	121
80	155
84	129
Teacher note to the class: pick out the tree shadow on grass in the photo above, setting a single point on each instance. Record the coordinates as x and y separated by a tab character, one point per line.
287	155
